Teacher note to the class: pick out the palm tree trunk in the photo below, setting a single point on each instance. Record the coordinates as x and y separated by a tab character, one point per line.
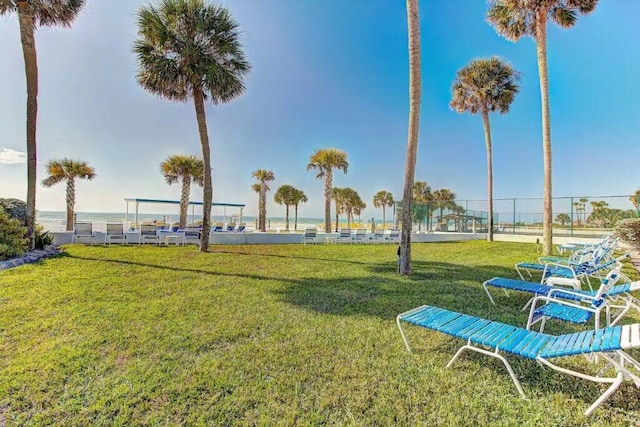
71	201
328	184
415	92
263	209
184	201
207	192
337	219
487	141
25	18
286	222
547	217
295	223
383	218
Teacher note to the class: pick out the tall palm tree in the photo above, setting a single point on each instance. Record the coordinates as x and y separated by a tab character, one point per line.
324	161
415	93
514	19
443	198
261	187
32	14
68	170
285	195
421	193
188	169
484	86
299	197
383	199
190	50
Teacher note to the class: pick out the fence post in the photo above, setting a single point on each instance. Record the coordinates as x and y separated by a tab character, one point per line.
571	221
514	216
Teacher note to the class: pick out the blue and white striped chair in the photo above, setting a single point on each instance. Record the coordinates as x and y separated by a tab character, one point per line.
574	273
608	345
570	305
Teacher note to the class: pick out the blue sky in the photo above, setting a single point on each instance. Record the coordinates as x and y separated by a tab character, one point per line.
328	73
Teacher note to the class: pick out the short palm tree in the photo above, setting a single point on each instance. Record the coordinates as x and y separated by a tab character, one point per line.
563	219
635	199
422	198
68	170
415	93
383	199
285	195
261	187
188	169
32	14
484	86
190	50
324	161
443	198
339	197
515	19
299	197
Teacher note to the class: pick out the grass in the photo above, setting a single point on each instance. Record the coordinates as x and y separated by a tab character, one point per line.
270	335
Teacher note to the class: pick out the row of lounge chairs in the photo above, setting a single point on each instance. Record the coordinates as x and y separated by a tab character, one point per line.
147	233
347	235
561	298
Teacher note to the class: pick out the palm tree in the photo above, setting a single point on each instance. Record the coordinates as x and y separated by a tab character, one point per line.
68	170
285	195
325	161
188	169
299	197
443	198
339	197
261	187
634	198
421	193
563	219
188	49
514	19
484	86
415	92
32	14
383	199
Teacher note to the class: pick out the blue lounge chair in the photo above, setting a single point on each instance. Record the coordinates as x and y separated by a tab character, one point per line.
576	306
575	273
344	236
217	227
608	343
309	236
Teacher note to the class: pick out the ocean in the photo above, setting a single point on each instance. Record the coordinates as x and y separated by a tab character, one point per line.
56	220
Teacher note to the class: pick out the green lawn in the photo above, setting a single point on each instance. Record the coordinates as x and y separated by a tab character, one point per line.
270	335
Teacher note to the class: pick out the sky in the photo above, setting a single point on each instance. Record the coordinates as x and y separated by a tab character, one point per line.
328	74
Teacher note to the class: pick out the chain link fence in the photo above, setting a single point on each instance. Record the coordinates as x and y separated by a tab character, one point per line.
572	216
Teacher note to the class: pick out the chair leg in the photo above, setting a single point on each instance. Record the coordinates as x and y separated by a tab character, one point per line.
404	338
484	285
604	396
495	354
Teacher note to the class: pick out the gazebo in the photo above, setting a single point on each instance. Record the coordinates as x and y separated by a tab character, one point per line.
138	201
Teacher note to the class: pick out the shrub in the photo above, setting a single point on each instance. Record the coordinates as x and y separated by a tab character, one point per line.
12	241
42	238
15	208
628	230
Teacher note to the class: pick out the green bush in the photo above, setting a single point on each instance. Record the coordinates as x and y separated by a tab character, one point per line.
628	230
12	241
42	238
15	208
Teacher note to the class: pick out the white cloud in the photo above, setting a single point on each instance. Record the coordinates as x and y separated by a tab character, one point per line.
9	156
